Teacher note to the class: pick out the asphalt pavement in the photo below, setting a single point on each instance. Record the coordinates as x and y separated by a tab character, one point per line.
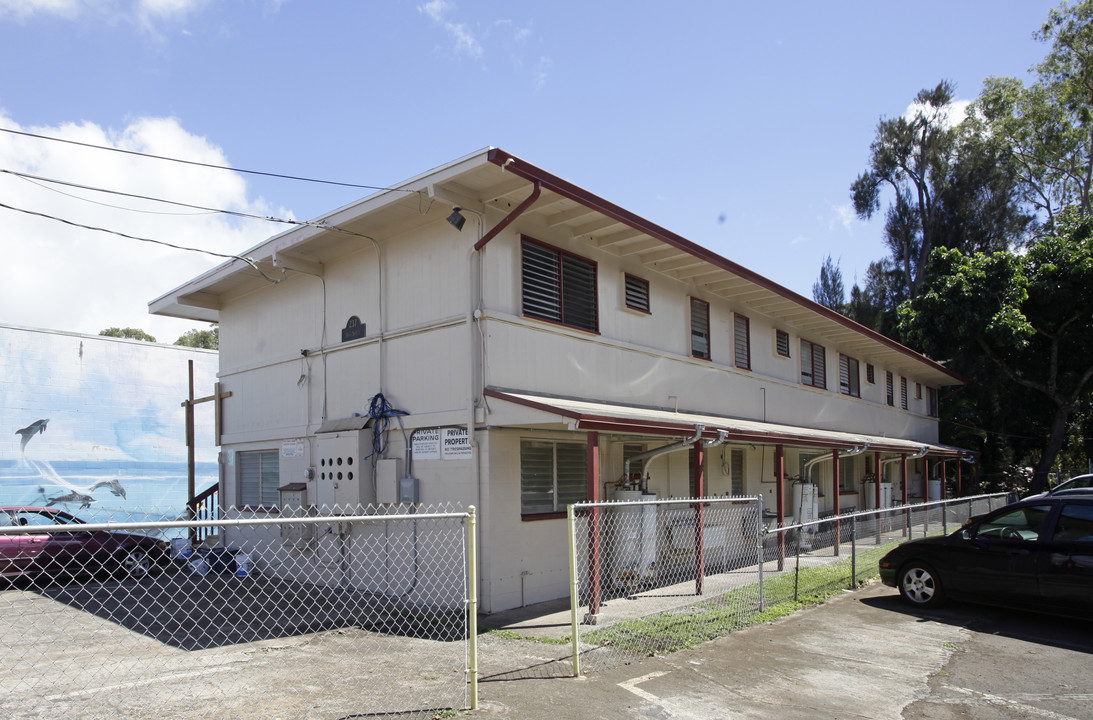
862	655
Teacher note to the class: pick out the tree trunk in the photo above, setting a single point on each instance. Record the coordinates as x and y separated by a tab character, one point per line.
1052	448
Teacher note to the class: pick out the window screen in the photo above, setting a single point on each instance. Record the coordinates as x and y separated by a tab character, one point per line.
637	293
559	287
741	342
259	478
700	328
552	475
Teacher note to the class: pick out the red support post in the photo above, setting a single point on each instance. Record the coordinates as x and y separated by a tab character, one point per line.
780	500
595	554
959	478
944	479
835	494
700	509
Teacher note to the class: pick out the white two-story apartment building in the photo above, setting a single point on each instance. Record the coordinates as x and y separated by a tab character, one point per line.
534	336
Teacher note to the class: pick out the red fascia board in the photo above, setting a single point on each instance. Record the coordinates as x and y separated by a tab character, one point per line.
531	173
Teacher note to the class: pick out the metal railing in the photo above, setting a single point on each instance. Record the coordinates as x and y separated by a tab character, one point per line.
324	615
204	506
838	552
655	577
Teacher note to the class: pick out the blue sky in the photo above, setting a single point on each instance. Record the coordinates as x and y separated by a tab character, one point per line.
738	125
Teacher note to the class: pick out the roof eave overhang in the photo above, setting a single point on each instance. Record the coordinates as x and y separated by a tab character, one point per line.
634	424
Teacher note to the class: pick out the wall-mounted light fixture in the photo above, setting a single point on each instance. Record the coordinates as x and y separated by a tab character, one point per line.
456	219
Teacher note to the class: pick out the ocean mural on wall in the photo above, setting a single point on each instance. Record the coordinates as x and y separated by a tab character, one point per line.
95	425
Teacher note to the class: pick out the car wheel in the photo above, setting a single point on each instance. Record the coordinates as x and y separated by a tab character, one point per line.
919	585
136	563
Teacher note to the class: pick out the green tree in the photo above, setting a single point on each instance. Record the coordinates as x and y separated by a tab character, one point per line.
207	339
911	157
1023	318
127	333
875	304
829	289
1048	126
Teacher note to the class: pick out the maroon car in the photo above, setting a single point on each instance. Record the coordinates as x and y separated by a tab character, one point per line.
73	552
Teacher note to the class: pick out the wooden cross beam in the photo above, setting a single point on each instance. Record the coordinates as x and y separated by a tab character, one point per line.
189	404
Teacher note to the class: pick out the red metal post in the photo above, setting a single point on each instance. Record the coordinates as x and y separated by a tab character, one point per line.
594	553
944	479
835	494
700	509
959	478
780	500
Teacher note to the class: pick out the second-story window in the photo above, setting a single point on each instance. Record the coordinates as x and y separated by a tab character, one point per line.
700	329
741	342
903	393
558	286
931	402
781	343
813	365
849	382
889	390
637	293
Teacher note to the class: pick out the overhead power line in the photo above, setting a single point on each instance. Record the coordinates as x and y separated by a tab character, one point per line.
199	164
248	261
38	179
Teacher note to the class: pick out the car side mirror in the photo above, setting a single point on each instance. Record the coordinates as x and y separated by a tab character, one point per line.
968	534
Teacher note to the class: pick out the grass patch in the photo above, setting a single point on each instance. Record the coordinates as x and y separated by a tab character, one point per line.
783	595
513	635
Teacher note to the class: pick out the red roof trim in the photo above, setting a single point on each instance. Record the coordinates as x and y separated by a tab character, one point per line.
516	166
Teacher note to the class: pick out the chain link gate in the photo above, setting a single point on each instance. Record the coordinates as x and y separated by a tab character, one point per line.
366	611
657	576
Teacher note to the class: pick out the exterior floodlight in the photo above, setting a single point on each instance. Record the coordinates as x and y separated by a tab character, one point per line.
456	219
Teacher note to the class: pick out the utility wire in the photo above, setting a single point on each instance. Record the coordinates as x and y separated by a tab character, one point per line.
248	261
235	213
199	164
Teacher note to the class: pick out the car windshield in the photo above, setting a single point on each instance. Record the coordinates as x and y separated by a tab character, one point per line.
1022	523
29	517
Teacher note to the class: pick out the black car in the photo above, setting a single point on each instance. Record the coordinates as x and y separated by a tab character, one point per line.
1035	554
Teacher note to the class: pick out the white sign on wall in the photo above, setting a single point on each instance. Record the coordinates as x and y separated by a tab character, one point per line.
455	444
450	443
426	444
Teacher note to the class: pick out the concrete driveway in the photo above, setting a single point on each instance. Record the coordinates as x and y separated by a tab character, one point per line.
863	655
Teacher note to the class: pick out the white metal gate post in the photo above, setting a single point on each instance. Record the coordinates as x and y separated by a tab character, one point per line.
472	602
574	591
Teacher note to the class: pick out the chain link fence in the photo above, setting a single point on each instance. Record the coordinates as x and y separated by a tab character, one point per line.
816	558
355	611
658	576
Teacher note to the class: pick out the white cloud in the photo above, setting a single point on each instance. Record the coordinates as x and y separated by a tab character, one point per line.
143	13
951	115
463	40
799	240
67	278
843	215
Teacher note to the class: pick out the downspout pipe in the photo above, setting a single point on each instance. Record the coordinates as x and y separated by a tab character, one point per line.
476	359
516	212
684	444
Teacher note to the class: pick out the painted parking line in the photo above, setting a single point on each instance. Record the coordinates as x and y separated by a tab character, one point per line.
1028	710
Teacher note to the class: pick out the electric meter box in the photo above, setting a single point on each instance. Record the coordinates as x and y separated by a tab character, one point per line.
343	479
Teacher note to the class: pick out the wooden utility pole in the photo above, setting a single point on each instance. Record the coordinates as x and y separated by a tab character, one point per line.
189	404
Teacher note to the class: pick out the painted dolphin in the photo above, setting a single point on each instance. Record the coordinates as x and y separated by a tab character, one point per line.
38	426
72	497
114	485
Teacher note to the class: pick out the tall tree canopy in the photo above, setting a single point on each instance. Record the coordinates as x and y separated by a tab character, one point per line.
1028	316
207	339
829	289
127	333
1048	126
911	156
